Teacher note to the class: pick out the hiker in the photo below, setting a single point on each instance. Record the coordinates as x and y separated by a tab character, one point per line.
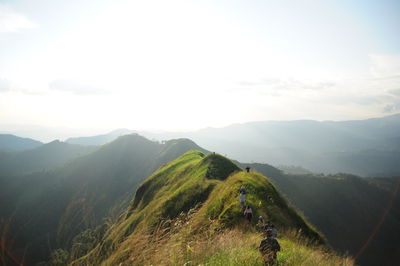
248	213
242	189
266	227
269	246
274	231
260	223
261	219
242	199
247	169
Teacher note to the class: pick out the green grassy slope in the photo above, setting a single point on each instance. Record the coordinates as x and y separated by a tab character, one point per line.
49	208
195	199
357	215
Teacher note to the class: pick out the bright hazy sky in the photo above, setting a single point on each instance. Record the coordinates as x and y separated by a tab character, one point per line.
184	65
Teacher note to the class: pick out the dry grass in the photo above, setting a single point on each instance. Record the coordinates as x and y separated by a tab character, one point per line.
298	250
173	243
213	233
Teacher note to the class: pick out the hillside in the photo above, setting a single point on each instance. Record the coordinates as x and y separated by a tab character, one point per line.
10	142
46	156
51	207
57	207
192	201
357	215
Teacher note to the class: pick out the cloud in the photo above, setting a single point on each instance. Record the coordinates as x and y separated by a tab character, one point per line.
271	81
347	97
278	86
376	99
395	92
391	108
74	87
5	85
385	66
11	21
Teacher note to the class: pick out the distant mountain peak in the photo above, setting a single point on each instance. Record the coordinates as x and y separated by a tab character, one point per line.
10	142
121	131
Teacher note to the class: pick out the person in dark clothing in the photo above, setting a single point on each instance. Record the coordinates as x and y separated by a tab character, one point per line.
247	169
248	213
269	246
265	228
260	224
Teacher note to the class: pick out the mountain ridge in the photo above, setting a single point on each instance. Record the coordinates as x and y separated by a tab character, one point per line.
43	157
67	200
102	184
9	142
182	188
362	147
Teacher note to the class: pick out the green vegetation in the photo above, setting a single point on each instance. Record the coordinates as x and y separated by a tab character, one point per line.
181	215
347	210
85	211
48	209
236	247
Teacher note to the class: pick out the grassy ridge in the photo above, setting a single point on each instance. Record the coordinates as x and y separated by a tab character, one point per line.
188	210
223	205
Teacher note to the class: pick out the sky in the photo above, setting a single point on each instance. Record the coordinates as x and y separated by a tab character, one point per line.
185	65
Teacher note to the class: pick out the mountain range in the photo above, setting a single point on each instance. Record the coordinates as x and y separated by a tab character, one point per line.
45	156
10	142
51	195
368	147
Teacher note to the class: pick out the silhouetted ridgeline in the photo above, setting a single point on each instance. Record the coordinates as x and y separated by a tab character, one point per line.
44	157
368	147
362	147
100	139
10	142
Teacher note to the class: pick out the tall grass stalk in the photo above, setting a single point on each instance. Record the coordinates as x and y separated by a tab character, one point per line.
172	243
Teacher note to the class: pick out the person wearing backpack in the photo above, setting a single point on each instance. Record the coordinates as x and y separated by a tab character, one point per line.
248	213
260	223
268	248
